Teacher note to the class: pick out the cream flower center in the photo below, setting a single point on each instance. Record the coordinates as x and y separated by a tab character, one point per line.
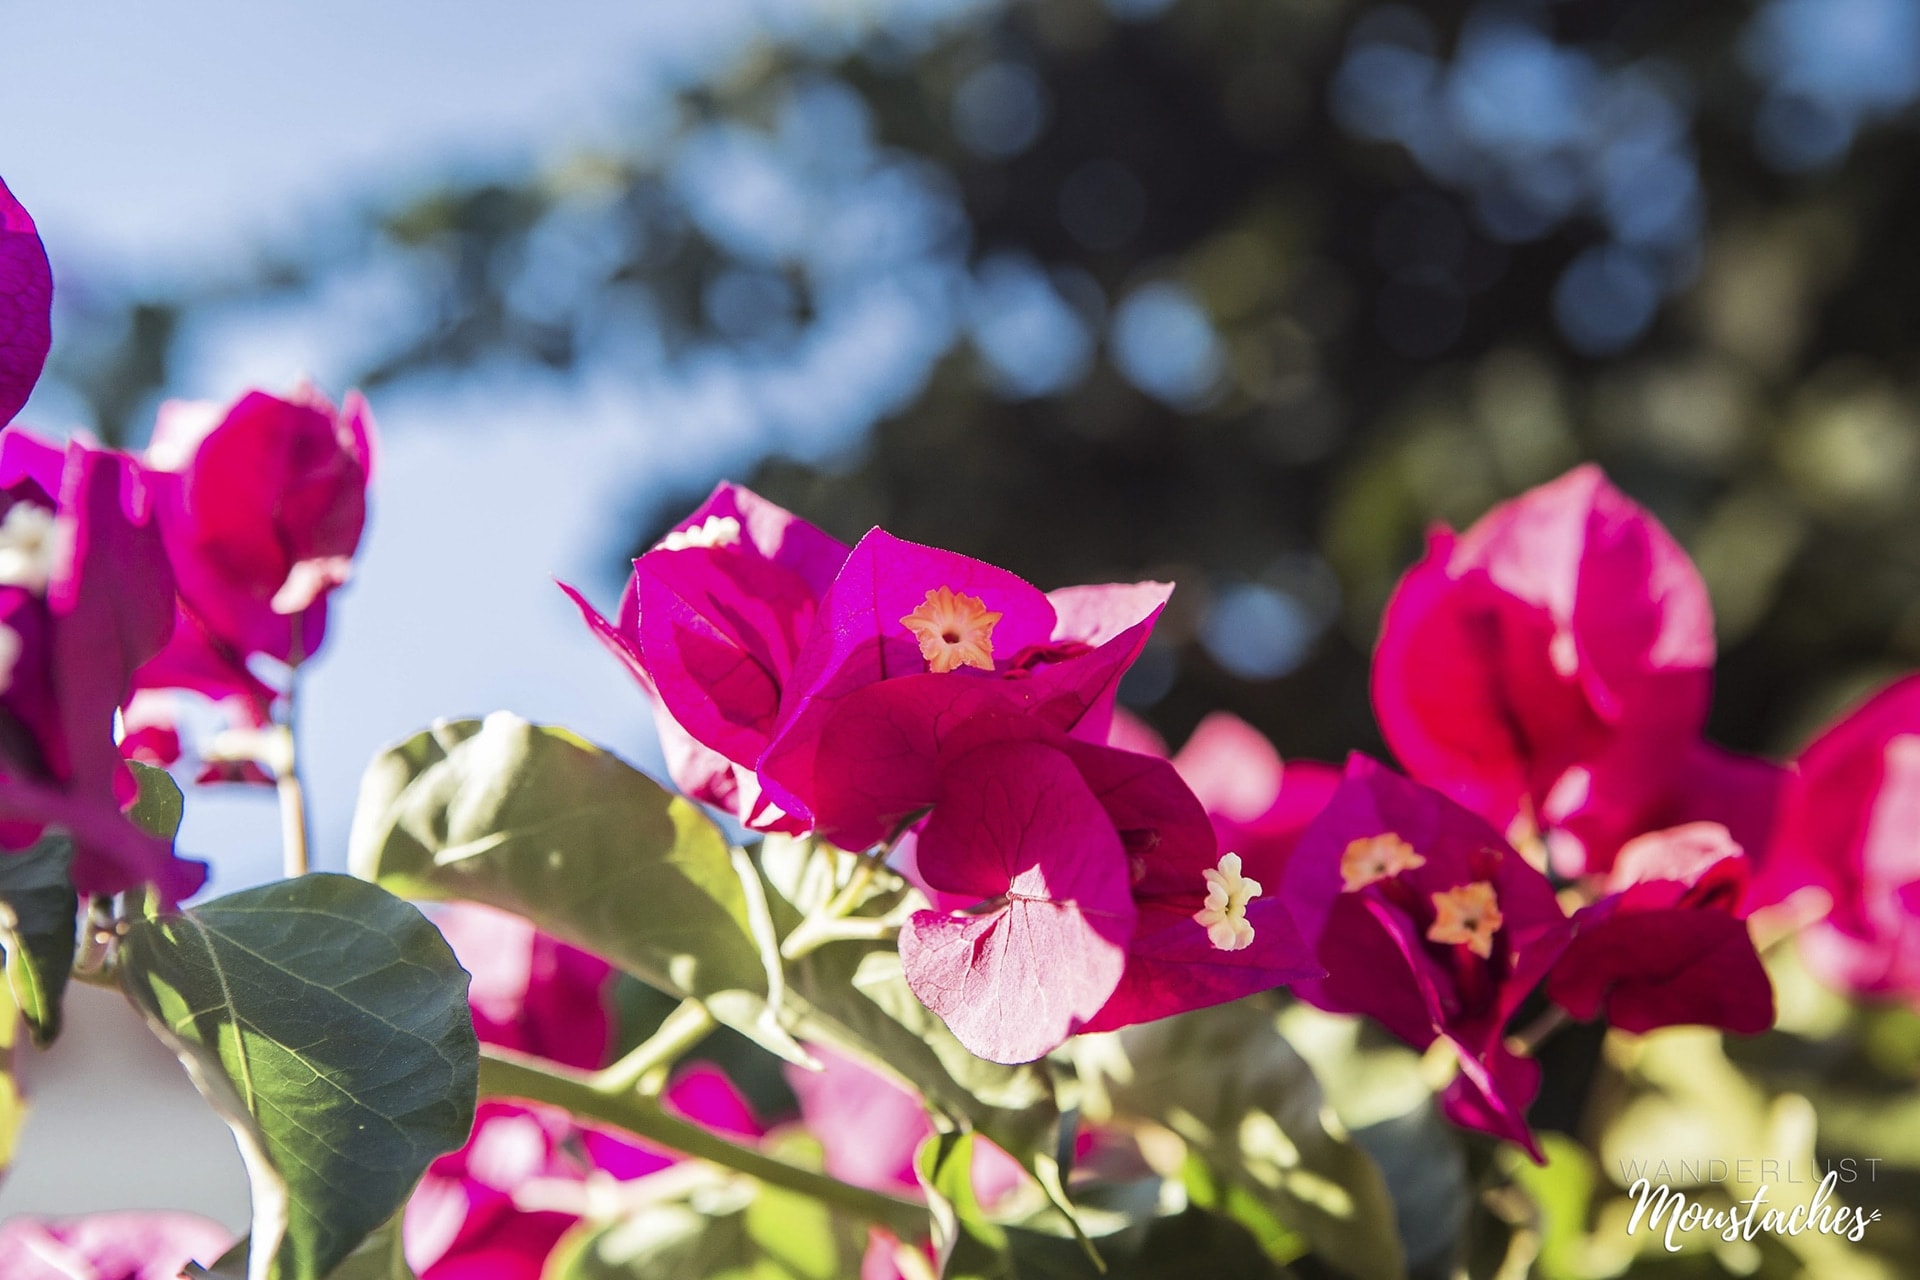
954	629
1224	916
1372	859
714	531
1468	915
27	547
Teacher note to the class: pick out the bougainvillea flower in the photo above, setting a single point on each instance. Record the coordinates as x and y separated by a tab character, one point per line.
1668	945
86	597
1078	872
887	617
710	625
109	1246
262	504
530	992
1016	828
462	1222
26	305
1847	828
1426	921
1550	667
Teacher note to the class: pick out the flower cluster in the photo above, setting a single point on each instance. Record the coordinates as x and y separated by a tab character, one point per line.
1565	831
122	576
910	698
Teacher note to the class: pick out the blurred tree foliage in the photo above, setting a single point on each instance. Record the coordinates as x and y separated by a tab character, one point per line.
1246	293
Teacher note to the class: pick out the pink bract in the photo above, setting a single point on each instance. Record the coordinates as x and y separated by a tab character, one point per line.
1668	945
1076	849
26	305
1063	667
1550	668
530	992
1375	938
87	600
262	504
710	625
1847	829
109	1246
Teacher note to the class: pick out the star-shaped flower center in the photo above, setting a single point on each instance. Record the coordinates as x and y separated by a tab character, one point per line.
714	531
955	630
1469	914
26	547
1372	859
1224	916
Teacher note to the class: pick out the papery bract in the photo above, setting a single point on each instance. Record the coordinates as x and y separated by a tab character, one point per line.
1668	945
26	305
1441	940
1550	667
530	992
1848	829
86	597
709	625
1015	826
262	504
1092	826
109	1246
1061	665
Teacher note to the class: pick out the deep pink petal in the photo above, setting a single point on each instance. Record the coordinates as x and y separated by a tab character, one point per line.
718	633
1492	1096
1662	968
859	639
776	534
1231	767
530	992
26	305
1014	819
1550	664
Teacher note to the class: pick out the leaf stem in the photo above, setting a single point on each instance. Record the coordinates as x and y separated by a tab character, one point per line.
1535	1033
504	1074
293	796
682	1029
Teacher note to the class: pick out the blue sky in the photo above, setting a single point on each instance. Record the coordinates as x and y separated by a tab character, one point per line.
151	141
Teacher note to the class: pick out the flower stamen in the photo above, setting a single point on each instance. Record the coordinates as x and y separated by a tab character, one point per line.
1224	916
714	531
27	547
1468	915
1372	859
955	630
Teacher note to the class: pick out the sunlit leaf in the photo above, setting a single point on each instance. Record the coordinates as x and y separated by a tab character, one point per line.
1246	1104
536	821
37	918
327	1022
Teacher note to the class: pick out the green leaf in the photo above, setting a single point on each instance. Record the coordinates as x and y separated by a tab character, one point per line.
720	1228
37	913
159	808
538	822
327	1021
1248	1106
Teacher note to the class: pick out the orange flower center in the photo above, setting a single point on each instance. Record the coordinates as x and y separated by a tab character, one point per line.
954	630
1467	915
1372	859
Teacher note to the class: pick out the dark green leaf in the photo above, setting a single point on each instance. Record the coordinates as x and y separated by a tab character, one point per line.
327	1021
37	912
538	822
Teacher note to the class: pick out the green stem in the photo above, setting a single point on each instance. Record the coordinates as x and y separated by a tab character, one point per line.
504	1074
682	1029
